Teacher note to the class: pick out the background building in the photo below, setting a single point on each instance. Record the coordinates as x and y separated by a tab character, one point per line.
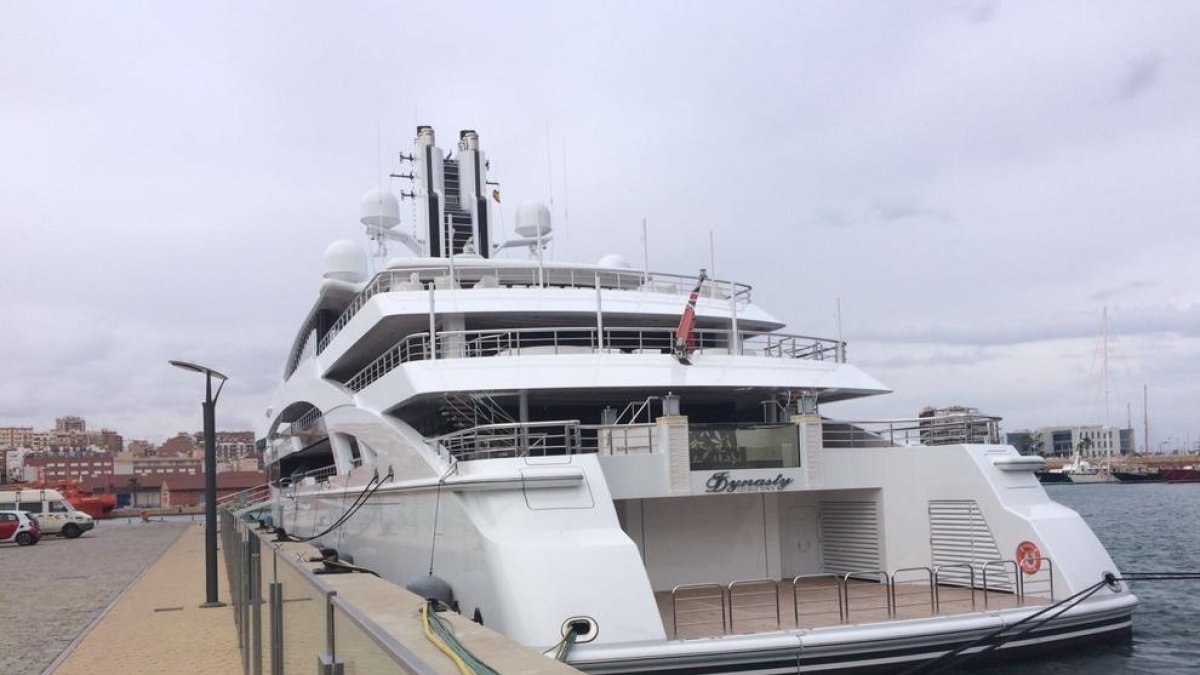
70	423
1062	441
52	468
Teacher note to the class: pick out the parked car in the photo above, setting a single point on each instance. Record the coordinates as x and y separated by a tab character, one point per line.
19	527
55	514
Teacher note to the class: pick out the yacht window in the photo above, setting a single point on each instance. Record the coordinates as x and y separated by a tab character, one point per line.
368	453
348	452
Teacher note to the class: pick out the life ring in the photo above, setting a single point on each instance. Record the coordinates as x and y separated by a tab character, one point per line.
1029	558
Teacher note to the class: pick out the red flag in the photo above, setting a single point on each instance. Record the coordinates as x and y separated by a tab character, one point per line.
685	341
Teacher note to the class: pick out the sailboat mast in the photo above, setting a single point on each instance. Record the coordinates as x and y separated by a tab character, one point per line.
1107	407
1145	421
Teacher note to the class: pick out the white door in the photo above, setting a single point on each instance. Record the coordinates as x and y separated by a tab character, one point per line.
801	545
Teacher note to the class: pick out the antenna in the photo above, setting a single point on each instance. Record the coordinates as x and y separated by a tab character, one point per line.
380	252
645	254
549	178
566	199
837	303
712	255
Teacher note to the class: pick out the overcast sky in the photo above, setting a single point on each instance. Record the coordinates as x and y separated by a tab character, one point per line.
976	181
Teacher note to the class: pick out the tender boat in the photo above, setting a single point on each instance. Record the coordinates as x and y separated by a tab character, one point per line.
647	464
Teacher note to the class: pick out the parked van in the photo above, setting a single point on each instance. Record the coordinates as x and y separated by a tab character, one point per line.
54	514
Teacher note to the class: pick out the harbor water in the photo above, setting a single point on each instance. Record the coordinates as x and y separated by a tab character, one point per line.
1146	528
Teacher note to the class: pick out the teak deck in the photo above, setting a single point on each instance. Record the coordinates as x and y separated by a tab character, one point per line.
752	609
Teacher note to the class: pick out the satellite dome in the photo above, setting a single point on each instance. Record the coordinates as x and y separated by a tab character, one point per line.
533	219
614	260
379	208
345	260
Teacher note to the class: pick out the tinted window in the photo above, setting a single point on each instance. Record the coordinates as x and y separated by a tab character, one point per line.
59	507
32	507
8	506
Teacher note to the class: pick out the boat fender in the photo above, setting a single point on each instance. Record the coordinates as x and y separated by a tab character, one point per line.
325	554
432	587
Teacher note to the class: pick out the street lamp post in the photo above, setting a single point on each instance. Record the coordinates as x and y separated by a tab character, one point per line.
210	479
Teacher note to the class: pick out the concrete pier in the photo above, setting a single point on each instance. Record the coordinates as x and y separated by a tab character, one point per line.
125	599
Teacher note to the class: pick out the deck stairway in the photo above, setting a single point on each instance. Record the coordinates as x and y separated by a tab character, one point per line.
466	411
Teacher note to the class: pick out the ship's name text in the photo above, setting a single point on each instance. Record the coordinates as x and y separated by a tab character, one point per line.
721	482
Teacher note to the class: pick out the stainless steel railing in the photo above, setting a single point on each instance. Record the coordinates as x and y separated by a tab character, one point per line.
556	437
873	595
291	624
759	601
939	430
815	605
491	441
584	340
420	279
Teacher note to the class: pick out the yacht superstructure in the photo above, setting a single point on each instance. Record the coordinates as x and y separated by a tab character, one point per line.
553	443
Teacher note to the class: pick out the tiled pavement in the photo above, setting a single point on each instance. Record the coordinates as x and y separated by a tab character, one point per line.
157	626
51	592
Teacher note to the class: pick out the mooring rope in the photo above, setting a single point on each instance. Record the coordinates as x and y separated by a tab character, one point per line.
441	633
368	491
997	639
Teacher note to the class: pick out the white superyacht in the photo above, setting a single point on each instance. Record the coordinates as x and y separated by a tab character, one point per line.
645	464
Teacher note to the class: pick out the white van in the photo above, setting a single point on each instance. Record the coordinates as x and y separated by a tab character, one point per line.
55	514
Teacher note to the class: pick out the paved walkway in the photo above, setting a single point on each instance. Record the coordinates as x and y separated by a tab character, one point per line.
157	626
52	591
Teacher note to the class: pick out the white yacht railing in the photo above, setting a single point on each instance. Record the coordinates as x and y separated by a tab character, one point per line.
558	437
473	276
950	429
582	340
492	441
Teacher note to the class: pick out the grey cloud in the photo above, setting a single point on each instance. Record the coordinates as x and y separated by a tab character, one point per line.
975	11
878	212
1017	329
1141	73
1109	293
890	211
939	358
155	216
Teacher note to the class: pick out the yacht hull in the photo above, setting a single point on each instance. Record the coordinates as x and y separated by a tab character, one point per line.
872	648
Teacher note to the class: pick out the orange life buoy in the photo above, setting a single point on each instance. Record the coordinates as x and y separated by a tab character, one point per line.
1029	558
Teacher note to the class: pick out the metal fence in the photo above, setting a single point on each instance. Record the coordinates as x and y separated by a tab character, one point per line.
540	439
287	619
938	430
589	340
520	277
827	599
